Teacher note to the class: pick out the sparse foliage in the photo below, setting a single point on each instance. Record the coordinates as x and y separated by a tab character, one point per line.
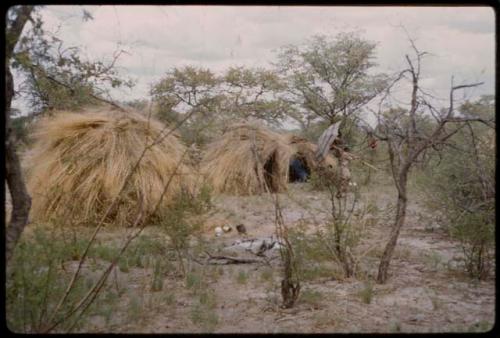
329	77
177	225
462	187
407	139
57	76
218	100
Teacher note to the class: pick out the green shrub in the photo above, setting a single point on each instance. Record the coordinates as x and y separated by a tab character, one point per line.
459	183
37	281
203	312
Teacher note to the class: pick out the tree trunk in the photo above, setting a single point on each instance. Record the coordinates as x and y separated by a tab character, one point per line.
21	201
398	223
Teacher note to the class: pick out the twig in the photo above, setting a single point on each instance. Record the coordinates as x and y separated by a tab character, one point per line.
231	260
114	104
355	157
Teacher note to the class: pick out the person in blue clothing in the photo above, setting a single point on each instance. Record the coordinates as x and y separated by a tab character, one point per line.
298	171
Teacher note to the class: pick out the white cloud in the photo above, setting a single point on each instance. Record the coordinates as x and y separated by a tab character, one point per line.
160	37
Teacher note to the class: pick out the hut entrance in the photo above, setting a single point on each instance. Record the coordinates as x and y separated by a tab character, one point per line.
271	173
298	170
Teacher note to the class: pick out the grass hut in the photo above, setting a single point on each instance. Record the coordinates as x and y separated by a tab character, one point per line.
304	151
245	158
80	161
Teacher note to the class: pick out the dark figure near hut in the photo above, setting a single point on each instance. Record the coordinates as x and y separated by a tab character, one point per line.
298	171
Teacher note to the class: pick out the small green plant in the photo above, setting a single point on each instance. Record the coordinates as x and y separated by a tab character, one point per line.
194	281
204	199
313	261
366	293
123	265
168	298
344	228
242	277
142	252
37	280
157	279
105	305
322	270
476	236
174	221
207	298
134	308
203	311
308	247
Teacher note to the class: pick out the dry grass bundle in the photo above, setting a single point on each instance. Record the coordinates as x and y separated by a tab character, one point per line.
245	158
306	150
80	162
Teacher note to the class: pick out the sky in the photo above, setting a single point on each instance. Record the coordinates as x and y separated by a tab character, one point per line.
460	40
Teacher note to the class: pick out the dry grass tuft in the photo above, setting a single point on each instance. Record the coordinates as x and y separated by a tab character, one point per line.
80	161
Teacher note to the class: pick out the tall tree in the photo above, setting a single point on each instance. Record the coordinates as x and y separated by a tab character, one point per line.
189	91
238	93
186	89
408	138
254	93
329	77
21	201
56	76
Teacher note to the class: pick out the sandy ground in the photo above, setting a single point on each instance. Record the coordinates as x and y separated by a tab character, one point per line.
424	292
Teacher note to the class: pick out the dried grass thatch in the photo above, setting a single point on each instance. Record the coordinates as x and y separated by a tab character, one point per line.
80	162
248	156
306	151
245	158
331	170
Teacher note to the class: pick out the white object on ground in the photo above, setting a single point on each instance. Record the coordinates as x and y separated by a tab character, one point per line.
218	231
256	245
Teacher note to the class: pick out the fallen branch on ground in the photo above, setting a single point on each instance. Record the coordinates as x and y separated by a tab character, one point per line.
231	260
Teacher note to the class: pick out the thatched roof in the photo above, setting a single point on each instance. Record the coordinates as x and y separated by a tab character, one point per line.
80	161
245	158
306	150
